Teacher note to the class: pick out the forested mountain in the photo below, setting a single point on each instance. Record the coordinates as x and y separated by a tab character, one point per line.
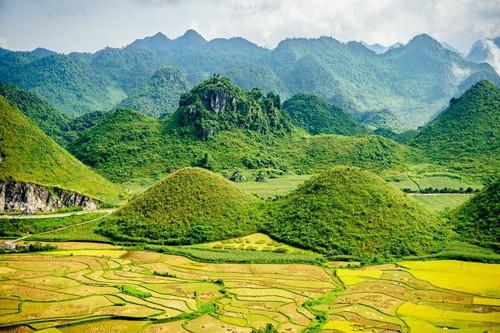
412	81
217	104
67	83
317	116
229	127
29	155
159	97
466	134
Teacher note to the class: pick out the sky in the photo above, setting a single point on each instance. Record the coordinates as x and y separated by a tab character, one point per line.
90	25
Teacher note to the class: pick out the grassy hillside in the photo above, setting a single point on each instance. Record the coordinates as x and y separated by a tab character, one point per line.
128	146
465	135
317	116
478	219
191	205
232	128
49	119
123	145
29	155
347	211
160	94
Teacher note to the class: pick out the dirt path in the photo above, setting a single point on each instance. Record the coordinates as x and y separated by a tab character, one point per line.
45	216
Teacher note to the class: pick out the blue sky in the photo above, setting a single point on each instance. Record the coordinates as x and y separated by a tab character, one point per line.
89	25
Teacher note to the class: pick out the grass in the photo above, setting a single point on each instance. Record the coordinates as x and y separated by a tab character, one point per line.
133	291
441	202
273	187
238	256
84	232
22	227
190	206
39	159
349	211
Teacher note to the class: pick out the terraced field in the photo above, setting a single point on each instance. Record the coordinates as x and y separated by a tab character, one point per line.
85	287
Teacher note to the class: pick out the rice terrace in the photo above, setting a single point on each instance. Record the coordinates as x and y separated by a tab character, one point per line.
296	167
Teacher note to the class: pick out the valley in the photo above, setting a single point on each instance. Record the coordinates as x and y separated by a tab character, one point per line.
208	184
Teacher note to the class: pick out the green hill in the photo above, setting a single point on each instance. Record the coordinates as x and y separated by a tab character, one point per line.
317	116
478	219
123	145
29	155
189	206
49	119
465	135
129	146
159	96
217	104
348	211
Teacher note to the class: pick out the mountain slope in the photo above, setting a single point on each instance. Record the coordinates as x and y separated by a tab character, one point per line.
477	219
49	119
159	96
317	116
466	133
486	50
217	104
69	84
189	206
29	155
412	81
348	211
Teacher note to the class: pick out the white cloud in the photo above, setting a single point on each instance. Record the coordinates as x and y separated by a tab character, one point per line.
493	55
92	24
3	42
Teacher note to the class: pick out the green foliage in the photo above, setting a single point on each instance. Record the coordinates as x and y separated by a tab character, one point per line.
66	82
133	291
477	220
123	145
317	116
32	247
217	104
29	155
347	211
236	256
190	206
128	146
465	135
159	96
269	328
45	116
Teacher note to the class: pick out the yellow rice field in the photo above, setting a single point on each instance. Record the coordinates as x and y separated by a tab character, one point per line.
80	290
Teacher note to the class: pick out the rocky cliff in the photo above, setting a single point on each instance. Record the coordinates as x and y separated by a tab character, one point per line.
29	198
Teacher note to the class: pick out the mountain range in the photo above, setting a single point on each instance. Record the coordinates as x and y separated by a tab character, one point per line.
400	88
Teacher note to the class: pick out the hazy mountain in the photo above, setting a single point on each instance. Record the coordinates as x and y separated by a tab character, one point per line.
377	48
160	95
486	50
412	81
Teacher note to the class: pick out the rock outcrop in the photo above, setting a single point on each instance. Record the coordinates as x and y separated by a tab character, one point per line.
28	198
